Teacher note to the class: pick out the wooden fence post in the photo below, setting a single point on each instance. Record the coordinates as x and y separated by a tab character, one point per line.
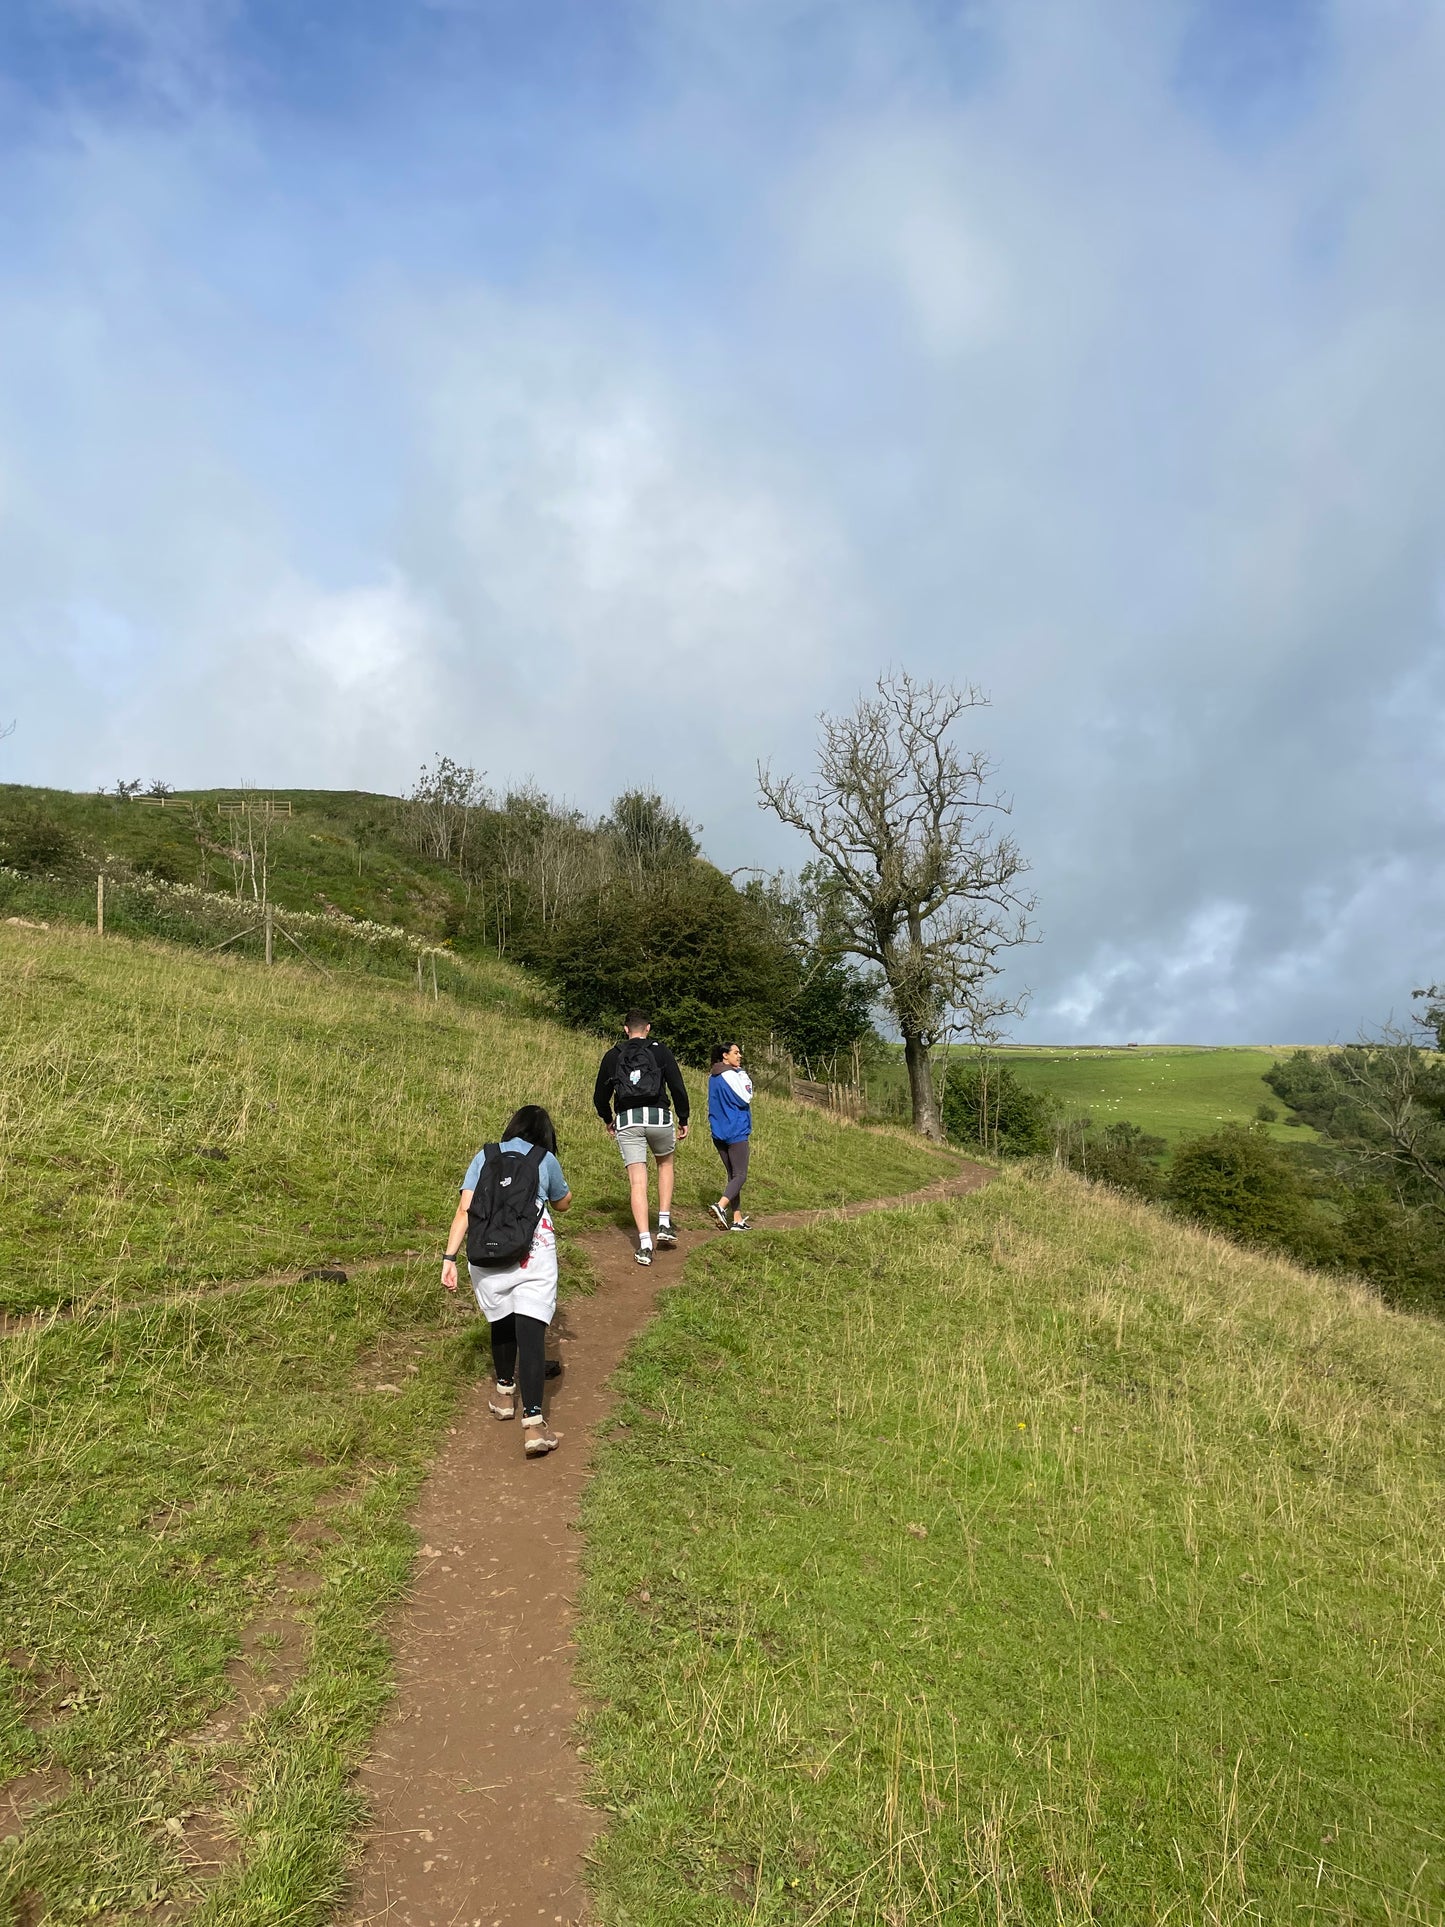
418	973
270	931
435	993
100	904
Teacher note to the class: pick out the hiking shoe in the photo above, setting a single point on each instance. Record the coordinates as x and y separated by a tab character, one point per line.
740	1224
721	1215
501	1400
666	1237
538	1438
643	1254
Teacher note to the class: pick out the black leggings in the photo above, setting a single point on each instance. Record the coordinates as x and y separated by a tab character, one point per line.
519	1346
735	1163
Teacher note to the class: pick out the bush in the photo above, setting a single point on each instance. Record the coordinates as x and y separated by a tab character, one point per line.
1402	1252
1238	1182
987	1107
691	950
39	846
1121	1154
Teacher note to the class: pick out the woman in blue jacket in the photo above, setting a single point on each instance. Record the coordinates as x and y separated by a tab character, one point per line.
730	1118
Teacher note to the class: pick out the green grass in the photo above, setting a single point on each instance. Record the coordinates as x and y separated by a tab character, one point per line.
171	1478
1029	1559
168	1120
341	848
202	1499
1173	1091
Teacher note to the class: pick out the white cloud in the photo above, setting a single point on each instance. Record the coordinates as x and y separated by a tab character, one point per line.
983	347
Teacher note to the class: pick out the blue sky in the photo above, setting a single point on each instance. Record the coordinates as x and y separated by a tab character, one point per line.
595	392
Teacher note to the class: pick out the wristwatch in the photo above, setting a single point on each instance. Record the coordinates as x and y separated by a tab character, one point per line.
450	1257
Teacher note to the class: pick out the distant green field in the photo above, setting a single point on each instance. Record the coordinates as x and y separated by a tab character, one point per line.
1175	1091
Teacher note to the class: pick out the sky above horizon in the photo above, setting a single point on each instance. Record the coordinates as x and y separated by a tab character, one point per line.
597	390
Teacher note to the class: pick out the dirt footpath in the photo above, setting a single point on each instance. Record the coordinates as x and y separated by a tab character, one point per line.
475	1785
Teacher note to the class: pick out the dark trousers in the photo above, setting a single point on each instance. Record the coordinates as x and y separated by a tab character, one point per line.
519	1356
735	1163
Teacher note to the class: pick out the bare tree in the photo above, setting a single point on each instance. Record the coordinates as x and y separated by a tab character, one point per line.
1393	1111
924	885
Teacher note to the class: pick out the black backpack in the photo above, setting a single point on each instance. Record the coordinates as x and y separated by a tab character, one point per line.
502	1217
639	1074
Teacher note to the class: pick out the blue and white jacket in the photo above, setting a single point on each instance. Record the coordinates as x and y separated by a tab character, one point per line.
730	1106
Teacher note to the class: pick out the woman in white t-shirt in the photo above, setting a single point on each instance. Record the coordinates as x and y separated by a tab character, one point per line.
518	1301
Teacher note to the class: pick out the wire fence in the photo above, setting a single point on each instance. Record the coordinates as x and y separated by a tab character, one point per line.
119	903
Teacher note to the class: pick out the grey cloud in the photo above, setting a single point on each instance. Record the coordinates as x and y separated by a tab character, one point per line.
1033	373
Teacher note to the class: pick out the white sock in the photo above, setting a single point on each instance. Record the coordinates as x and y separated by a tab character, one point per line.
664	1218
644	1238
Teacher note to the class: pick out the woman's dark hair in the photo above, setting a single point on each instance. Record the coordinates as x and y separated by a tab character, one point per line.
720	1051
533	1124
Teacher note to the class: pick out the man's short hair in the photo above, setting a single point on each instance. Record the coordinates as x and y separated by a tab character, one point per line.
636	1020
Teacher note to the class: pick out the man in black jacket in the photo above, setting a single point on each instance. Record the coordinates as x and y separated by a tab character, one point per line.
639	1089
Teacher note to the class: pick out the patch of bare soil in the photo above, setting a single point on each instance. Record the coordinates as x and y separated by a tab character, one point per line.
477	1792
27	1793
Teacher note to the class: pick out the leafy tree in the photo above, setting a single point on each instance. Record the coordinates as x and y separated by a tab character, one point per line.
1382	1101
649	835
829	1009
828	1013
440	810
1379	1106
923	886
1237	1181
986	1104
1397	1248
696	954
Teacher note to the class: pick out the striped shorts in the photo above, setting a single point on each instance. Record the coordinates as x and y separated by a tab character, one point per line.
647	1128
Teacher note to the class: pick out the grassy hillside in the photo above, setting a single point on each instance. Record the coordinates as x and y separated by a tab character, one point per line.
1033	1559
203	1500
167	1119
339	849
1173	1091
